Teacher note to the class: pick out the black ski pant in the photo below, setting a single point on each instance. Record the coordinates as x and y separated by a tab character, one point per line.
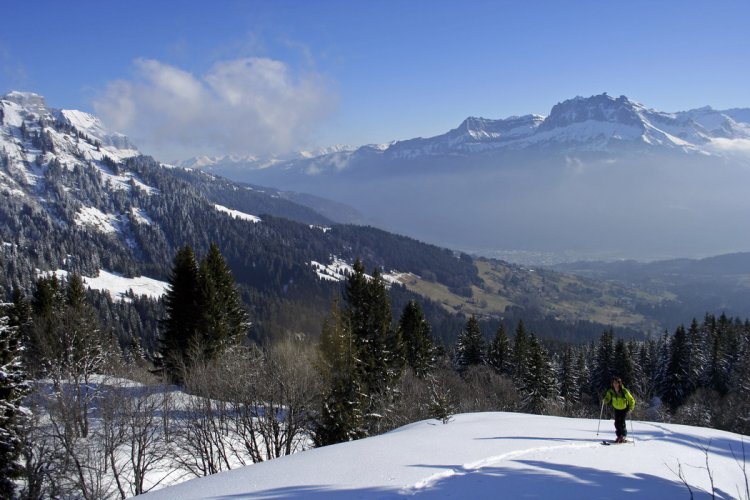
621	429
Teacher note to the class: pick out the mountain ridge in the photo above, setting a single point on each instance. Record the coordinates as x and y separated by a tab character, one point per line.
596	122
69	202
533	181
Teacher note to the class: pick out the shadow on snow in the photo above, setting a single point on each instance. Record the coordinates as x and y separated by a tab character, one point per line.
536	480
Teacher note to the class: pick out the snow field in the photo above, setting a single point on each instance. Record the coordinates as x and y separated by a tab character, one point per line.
494	455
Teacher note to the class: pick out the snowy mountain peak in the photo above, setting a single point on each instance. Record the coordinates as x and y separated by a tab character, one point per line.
599	123
484	128
43	149
599	108
27	100
26	109
92	126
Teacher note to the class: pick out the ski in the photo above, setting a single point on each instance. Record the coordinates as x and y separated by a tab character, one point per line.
607	443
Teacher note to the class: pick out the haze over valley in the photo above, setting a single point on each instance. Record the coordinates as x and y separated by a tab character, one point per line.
599	178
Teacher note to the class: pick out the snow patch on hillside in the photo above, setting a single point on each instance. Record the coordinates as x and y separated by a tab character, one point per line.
94	218
339	270
117	285
140	216
237	214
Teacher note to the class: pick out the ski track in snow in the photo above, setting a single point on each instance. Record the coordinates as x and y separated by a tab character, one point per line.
477	465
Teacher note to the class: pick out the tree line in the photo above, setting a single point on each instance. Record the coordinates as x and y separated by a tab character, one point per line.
85	414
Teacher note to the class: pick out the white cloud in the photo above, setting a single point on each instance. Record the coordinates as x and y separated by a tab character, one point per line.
741	146
242	106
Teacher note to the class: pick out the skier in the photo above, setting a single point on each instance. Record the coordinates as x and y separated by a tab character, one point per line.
622	402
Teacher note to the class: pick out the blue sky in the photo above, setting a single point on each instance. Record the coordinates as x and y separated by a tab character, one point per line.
189	77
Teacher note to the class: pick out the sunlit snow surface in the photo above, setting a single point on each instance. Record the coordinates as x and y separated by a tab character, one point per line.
96	219
339	270
118	285
494	455
237	214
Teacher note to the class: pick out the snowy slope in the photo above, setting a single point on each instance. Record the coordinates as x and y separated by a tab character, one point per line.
92	126
36	139
494	455
117	285
74	139
19	107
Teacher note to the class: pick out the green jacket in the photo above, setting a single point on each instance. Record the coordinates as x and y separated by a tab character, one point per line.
620	400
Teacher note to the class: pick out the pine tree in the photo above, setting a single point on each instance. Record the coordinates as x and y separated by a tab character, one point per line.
675	387
48	303
85	343
730	352
179	328
20	315
68	347
13	387
647	360
739	396
635	384
415	331
520	353
377	344
538	387
582	369
623	365
499	353
569	386
470	345
204	311
222	320
603	364
697	362
342	414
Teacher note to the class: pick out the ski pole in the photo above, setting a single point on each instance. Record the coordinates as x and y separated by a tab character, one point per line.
600	418
631	429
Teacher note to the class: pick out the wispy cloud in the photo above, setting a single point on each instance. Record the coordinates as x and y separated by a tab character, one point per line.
741	146
241	106
13	74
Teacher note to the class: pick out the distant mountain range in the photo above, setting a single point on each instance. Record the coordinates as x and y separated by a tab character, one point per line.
598	175
76	197
598	123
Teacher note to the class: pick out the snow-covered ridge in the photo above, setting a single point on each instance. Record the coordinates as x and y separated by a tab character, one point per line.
494	455
604	119
92	126
594	123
